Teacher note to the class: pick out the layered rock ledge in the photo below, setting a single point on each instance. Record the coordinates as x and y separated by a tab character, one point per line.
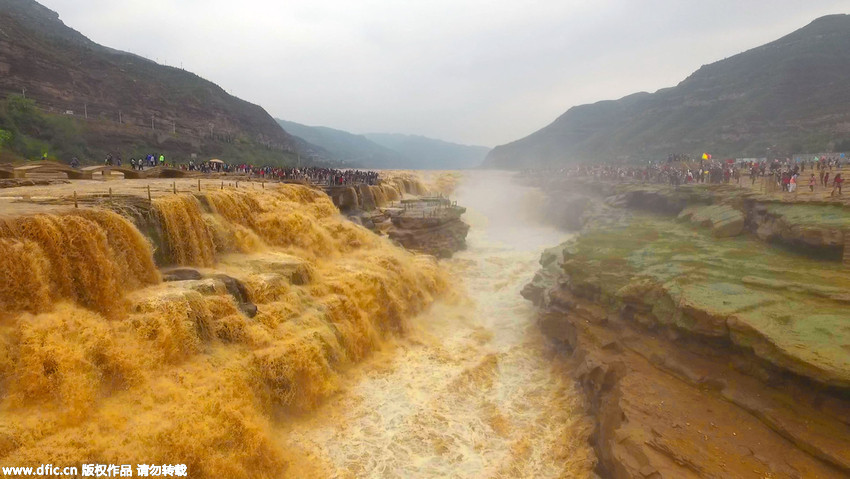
421	223
432	227
809	226
704	351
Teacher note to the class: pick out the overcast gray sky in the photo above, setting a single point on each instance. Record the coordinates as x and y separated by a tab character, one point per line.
476	72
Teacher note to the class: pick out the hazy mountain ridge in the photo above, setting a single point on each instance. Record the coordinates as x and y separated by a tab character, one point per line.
388	150
346	147
429	153
131	102
789	95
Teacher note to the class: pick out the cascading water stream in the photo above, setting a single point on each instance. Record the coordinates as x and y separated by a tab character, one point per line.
102	362
334	375
472	390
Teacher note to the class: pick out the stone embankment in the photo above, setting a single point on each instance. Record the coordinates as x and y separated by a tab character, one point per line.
429	226
708	327
420	223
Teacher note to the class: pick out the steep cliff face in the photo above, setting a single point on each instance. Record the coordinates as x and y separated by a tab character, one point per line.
127	99
788	95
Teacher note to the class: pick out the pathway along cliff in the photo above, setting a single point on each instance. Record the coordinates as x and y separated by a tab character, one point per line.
472	390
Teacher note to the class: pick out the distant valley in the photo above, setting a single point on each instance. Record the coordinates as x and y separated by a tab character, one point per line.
387	150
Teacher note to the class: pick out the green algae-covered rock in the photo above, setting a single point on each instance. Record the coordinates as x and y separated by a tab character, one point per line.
788	309
724	220
814	345
707	306
555	254
728	223
812	226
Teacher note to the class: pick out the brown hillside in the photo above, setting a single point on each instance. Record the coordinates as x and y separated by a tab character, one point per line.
126	102
788	96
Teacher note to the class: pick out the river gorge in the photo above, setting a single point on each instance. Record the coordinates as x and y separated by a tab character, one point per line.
588	329
254	332
472	390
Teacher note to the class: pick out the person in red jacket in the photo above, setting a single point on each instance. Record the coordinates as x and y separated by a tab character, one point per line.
836	184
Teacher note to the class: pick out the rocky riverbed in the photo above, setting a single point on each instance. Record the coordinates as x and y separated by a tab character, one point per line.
708	327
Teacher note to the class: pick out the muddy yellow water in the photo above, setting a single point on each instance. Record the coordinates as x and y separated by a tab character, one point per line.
472	390
363	360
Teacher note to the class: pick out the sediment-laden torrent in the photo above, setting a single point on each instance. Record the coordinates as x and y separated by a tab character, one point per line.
101	362
471	390
258	333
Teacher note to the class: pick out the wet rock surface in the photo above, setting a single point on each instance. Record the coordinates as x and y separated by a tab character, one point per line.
194	280
235	288
291	268
181	274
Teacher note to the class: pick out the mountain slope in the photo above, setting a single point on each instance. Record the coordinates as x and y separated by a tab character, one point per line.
128	102
789	95
428	153
346	147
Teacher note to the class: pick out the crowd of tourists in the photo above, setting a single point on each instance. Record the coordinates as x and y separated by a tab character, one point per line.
312	174
331	176
789	176
150	160
662	172
680	169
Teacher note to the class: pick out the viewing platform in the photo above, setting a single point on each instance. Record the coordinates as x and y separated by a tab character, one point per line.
429	224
